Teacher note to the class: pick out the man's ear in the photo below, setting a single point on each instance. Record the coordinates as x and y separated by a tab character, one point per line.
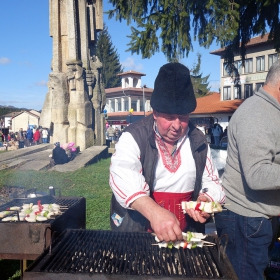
277	91
155	113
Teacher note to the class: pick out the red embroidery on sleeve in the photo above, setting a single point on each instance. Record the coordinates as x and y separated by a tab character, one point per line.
127	202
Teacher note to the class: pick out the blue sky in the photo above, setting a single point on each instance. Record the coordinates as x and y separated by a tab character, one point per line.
26	53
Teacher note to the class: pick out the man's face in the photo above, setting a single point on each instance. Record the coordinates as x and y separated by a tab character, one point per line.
171	127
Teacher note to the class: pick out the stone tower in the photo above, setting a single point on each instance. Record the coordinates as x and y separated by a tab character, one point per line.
76	98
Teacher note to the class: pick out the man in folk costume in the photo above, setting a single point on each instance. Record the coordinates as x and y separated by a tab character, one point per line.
162	160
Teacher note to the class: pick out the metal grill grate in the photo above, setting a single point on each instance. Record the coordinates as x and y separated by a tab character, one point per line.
24	240
129	253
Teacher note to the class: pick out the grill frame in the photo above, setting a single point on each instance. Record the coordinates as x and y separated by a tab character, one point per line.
26	241
109	262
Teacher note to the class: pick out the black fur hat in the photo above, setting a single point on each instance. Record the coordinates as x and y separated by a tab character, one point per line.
173	91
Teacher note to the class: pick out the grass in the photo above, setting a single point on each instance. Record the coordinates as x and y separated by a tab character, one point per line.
90	182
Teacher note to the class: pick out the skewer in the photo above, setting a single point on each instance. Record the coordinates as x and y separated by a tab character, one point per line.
210	201
207	242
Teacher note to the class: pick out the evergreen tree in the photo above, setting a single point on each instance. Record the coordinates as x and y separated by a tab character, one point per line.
109	57
200	84
6	110
228	22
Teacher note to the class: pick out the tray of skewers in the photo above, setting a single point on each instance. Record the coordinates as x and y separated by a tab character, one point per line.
30	212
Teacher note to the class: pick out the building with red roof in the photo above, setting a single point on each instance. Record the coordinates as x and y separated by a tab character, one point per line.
126	104
260	55
129	102
210	109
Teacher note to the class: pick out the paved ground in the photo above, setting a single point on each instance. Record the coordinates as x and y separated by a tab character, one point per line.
37	158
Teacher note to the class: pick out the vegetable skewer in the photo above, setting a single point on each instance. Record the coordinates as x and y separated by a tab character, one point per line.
190	240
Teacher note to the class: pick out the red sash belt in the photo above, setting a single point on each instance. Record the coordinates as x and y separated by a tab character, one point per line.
172	202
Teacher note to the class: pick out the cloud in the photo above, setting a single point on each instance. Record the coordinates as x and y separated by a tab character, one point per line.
42	83
131	64
11	102
25	63
215	85
4	60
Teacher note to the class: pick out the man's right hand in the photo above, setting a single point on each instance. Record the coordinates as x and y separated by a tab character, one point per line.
164	223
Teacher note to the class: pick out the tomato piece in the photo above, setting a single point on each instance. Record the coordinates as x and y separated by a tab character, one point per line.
197	206
185	245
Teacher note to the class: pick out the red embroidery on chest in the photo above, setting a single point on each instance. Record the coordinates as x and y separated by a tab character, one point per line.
171	162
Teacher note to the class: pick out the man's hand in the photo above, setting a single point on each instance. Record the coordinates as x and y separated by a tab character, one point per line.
197	215
164	224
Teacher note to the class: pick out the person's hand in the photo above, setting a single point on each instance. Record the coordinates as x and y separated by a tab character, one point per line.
197	215
165	225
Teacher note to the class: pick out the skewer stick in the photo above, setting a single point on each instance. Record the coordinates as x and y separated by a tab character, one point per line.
207	242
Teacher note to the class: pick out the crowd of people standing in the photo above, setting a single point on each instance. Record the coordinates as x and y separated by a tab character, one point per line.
25	138
214	133
113	134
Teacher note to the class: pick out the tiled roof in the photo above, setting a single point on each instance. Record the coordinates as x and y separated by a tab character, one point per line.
254	41
115	89
124	114
120	89
211	104
131	72
27	112
12	114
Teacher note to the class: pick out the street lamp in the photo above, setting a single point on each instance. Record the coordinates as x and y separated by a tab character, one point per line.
143	87
127	101
130	113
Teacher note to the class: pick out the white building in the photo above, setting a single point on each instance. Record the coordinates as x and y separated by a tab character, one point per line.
260	55
24	119
131	96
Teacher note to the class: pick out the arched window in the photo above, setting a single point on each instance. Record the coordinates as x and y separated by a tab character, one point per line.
126	82
135	82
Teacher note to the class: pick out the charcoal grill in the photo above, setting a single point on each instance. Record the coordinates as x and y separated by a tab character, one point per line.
26	241
89	254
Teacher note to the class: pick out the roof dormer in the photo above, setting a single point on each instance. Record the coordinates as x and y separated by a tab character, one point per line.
131	79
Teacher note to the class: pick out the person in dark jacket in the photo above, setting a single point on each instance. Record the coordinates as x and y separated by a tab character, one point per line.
162	160
29	136
59	154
